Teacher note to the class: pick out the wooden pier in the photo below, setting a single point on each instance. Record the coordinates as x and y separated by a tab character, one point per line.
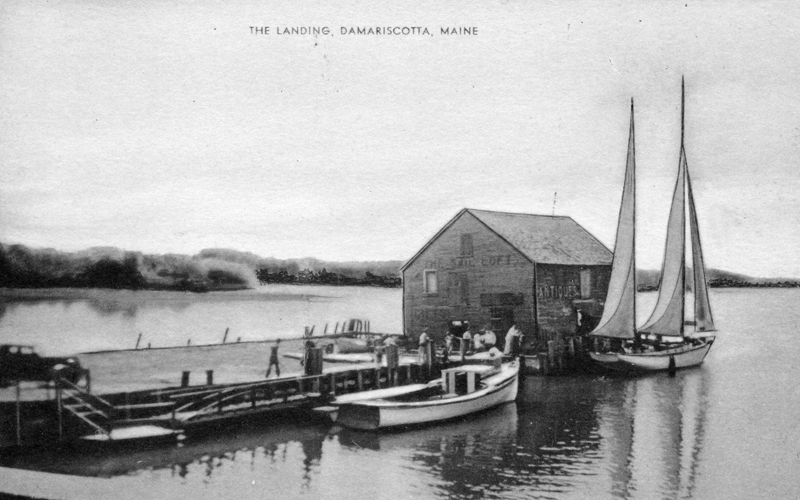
67	412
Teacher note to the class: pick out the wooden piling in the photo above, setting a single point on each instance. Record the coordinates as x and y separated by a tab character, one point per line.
313	361
209	377
544	364
551	352
60	416
185	379
19	417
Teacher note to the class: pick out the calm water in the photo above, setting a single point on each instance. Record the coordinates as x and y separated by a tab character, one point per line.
726	430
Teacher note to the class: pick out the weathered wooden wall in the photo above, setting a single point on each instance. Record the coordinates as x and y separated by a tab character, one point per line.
495	267
495	274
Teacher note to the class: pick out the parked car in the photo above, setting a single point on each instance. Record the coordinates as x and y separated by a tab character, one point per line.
21	362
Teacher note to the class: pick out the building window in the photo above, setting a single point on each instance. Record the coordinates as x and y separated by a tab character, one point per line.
430	282
466	245
586	283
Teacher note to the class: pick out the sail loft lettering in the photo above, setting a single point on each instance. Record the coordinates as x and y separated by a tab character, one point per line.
458	262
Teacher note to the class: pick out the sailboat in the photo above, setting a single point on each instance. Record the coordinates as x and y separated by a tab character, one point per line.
662	343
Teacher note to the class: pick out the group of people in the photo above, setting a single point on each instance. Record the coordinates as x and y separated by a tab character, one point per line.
484	340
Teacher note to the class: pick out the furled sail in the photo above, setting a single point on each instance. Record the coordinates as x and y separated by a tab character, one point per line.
619	313
667	317
704	322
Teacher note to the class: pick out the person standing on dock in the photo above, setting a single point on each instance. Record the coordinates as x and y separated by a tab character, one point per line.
273	359
489	338
513	338
466	341
422	353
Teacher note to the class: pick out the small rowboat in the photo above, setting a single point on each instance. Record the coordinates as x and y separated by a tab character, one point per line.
134	435
463	391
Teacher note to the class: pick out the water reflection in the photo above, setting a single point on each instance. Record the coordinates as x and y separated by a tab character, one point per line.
565	437
267	442
652	430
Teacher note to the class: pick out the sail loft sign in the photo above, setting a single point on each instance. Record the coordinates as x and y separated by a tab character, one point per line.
462	262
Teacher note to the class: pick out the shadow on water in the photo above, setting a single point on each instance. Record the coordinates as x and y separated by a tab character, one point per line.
197	454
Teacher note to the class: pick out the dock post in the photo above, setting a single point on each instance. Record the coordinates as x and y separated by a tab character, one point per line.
360	381
313	364
19	417
185	379
58	405
392	363
333	384
209	377
89	381
544	369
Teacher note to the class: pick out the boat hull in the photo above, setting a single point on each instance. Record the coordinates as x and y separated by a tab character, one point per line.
371	415
684	356
610	361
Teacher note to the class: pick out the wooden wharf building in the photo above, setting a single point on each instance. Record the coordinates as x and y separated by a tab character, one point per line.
546	274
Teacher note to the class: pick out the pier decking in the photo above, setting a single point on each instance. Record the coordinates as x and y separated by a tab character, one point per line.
60	411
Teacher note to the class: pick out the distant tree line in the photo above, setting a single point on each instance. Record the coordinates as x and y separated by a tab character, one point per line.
211	269
323	277
730	283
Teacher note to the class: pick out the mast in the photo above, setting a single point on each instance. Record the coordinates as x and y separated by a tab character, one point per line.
619	313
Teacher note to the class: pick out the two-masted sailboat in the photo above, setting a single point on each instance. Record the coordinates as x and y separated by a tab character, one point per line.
662	343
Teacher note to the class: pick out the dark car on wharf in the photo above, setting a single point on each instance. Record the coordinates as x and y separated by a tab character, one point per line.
22	363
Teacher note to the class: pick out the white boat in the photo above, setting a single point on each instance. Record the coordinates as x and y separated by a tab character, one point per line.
464	390
662	343
138	434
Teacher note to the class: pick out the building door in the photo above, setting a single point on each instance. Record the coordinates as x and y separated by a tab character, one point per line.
501	319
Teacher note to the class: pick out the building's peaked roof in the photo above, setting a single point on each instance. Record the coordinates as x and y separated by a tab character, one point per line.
547	239
543	239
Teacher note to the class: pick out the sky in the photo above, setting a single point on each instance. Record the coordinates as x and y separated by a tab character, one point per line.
166	127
